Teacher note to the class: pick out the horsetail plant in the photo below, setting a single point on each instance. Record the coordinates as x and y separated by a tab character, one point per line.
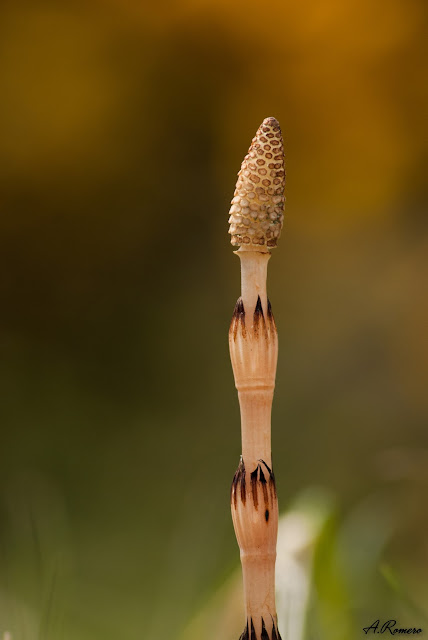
256	218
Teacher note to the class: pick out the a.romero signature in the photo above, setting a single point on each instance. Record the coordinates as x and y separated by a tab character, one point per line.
391	626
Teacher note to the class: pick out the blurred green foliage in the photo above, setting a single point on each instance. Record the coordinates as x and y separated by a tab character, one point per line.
123	125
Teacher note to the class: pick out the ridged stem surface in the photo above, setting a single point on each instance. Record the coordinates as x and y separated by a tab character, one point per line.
253	347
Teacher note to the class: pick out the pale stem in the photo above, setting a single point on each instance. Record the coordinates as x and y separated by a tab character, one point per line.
253	279
255	399
256	408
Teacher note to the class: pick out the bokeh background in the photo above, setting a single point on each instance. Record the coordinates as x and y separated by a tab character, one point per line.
123	125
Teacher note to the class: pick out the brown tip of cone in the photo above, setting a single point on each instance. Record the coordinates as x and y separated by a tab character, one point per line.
257	211
271	122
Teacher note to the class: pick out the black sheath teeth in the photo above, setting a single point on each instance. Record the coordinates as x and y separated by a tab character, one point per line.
253	632
258	311
265	635
238	485
249	632
238	319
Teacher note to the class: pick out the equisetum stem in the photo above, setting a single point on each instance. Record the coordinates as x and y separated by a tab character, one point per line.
253	345
256	391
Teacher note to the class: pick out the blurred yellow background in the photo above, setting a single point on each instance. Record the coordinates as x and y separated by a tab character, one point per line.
123	125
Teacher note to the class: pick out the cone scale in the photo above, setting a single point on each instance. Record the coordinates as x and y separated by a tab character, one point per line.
256	218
